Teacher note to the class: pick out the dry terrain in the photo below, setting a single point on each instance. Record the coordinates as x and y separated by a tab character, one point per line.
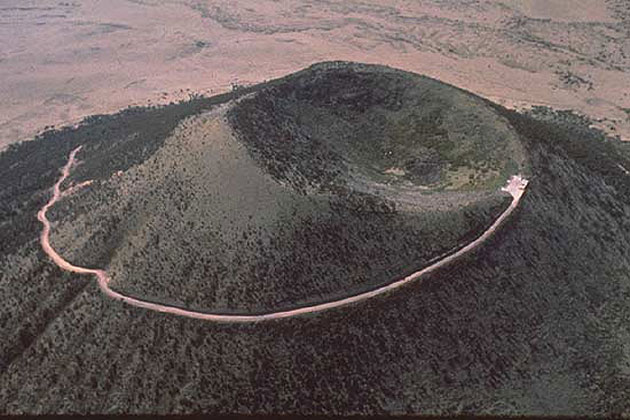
62	61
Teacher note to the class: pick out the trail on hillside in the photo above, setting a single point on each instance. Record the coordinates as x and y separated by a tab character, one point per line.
515	186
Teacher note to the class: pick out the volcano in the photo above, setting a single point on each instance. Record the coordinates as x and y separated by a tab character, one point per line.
377	193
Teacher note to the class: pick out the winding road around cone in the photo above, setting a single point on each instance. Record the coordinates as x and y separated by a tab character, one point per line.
515	186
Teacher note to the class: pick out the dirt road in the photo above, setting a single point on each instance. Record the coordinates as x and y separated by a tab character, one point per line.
515	186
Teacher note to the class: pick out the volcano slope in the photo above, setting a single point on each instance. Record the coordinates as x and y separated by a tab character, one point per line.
248	208
369	167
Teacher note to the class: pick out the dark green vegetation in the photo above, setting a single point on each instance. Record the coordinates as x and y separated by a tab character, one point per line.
536	321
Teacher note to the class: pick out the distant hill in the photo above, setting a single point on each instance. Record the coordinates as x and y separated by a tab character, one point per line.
326	182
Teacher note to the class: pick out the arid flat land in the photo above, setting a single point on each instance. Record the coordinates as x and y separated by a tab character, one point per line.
62	61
